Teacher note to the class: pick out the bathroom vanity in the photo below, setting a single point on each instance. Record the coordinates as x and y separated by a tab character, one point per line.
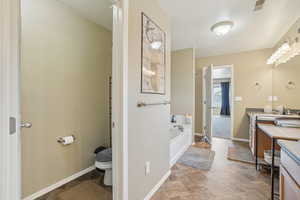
290	170
260	117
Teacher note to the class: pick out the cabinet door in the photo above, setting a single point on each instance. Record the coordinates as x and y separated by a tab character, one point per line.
289	189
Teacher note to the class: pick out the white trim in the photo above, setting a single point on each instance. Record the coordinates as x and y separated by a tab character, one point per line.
59	184
158	185
119	100
10	178
10	175
239	139
178	155
232	84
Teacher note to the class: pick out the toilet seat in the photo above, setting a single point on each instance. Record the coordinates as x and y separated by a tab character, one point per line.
103	165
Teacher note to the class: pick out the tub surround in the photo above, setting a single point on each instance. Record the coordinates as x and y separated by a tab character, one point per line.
181	137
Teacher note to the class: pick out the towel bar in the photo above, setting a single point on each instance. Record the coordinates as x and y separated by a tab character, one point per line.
143	104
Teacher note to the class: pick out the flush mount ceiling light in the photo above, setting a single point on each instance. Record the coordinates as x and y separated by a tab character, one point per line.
222	28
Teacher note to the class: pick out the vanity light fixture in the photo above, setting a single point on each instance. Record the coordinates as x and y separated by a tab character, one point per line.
153	37
284	53
277	55
148	72
222	28
294	51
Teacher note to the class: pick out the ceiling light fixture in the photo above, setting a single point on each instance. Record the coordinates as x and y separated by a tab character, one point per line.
222	28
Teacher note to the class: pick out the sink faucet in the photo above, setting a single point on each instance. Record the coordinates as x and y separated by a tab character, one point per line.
287	111
180	127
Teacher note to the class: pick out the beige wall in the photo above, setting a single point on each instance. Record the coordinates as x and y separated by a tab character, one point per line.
66	64
249	67
148	127
183	82
289	71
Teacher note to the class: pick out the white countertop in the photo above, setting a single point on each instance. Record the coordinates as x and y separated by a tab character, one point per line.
272	115
292	148
278	132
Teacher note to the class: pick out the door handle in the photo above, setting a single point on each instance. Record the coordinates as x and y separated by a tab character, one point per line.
26	125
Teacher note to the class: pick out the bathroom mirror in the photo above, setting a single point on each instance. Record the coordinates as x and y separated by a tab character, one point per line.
286	76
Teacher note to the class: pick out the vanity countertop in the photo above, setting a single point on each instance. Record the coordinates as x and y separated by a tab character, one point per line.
292	148
278	132
270	116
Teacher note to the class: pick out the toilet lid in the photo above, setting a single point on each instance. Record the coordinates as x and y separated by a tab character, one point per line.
104	156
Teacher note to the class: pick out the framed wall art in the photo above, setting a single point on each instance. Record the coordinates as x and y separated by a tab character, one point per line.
153	57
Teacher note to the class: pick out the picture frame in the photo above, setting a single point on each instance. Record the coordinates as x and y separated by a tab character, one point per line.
153	58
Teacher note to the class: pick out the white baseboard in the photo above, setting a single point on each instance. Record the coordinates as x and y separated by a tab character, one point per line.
240	139
158	185
58	184
178	155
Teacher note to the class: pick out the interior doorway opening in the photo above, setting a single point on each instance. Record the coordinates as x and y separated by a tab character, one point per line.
222	103
68	92
217	102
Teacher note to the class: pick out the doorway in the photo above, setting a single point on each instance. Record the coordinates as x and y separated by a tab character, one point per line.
222	95
217	102
10	90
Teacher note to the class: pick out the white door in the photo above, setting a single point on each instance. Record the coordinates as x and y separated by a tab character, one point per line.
9	101
207	101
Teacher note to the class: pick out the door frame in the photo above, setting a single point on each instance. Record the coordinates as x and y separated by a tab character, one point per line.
10	144
205	103
231	99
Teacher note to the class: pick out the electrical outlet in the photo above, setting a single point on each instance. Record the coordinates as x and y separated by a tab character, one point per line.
147	168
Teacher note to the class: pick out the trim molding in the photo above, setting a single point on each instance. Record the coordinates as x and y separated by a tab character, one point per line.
240	139
10	159
158	185
178	155
58	184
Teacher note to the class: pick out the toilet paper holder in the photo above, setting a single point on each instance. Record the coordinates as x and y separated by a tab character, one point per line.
61	140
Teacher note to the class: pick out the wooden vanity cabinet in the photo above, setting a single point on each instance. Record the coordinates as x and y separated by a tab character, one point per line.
264	142
289	189
289	178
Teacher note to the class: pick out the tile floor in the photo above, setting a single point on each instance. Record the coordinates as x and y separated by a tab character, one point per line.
86	187
226	180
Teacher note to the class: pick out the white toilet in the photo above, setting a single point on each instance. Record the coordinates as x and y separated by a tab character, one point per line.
104	162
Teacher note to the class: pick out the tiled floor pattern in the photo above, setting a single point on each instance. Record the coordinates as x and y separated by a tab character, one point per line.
226	180
87	187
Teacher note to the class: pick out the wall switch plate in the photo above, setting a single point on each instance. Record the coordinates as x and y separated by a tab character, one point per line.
238	98
147	168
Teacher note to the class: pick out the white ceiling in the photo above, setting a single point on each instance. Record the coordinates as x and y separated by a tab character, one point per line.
191	21
97	11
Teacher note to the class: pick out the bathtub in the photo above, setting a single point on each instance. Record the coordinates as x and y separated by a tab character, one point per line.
179	143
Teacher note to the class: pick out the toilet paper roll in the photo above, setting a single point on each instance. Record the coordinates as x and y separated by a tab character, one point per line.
68	140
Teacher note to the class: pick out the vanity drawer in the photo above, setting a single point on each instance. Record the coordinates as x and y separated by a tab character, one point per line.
291	166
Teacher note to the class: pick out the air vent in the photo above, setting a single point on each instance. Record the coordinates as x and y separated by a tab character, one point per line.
259	4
